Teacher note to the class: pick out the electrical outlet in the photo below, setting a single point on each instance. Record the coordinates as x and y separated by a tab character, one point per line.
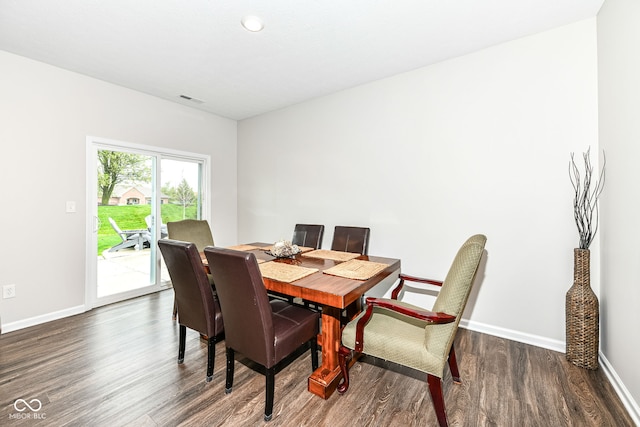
8	291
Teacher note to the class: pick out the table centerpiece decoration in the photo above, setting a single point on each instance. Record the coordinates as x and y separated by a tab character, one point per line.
283	249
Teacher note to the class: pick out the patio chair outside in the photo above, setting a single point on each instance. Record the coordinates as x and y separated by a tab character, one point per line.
163	227
130	238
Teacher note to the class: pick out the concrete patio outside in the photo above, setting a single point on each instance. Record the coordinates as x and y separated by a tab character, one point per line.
125	270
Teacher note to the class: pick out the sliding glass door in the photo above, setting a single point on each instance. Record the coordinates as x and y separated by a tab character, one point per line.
137	190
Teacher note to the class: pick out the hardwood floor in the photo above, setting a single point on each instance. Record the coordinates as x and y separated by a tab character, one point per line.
117	366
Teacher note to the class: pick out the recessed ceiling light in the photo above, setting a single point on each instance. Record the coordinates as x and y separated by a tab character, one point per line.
252	23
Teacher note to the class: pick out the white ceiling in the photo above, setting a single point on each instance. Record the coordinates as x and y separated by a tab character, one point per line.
308	48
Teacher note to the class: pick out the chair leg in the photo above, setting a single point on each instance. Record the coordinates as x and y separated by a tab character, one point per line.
453	366
182	342
230	367
175	309
314	354
211	355
270	378
435	388
344	355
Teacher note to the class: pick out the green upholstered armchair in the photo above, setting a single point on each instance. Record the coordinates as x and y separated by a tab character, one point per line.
411	336
191	230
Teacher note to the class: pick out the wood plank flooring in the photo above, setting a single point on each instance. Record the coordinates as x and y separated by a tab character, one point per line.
116	366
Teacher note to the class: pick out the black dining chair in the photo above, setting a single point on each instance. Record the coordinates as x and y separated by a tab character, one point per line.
198	307
351	239
308	235
264	331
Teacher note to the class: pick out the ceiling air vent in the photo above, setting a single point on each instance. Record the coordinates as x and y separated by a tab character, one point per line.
194	100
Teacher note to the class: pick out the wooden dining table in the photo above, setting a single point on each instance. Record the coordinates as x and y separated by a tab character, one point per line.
333	294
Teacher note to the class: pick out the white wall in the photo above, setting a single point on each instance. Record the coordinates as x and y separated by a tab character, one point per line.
477	144
619	92
46	114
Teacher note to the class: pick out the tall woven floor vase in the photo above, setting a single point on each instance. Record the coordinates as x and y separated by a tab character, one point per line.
582	315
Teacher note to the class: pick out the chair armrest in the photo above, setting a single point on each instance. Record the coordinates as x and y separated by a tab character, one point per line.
403	277
134	232
426	315
418	313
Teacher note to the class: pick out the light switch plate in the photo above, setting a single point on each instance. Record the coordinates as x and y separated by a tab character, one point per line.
8	291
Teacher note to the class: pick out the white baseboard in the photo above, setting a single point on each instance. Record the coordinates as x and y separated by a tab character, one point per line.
33	321
621	390
510	334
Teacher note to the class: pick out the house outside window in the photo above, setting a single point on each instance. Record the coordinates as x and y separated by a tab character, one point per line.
133	194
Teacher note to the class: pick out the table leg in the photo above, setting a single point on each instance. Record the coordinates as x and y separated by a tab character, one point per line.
324	380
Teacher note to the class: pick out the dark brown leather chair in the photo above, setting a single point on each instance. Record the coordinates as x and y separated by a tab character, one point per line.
351	239
196	231
308	235
198	307
263	331
356	240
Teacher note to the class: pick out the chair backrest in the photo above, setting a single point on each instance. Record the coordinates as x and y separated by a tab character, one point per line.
122	235
308	235
454	293
244	303
194	297
351	239
191	230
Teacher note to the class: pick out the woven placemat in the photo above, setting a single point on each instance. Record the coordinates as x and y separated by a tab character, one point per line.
332	255
243	248
356	269
285	272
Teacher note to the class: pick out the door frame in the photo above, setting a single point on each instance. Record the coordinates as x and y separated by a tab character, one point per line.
93	144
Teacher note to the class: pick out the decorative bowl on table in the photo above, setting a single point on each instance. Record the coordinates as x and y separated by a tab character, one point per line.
283	249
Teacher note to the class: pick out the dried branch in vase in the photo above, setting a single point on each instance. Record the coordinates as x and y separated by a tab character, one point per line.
585	200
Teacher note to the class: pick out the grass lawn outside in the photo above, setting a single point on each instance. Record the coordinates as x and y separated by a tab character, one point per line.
131	217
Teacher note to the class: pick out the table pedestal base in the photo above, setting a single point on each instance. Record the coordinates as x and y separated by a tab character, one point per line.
324	382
